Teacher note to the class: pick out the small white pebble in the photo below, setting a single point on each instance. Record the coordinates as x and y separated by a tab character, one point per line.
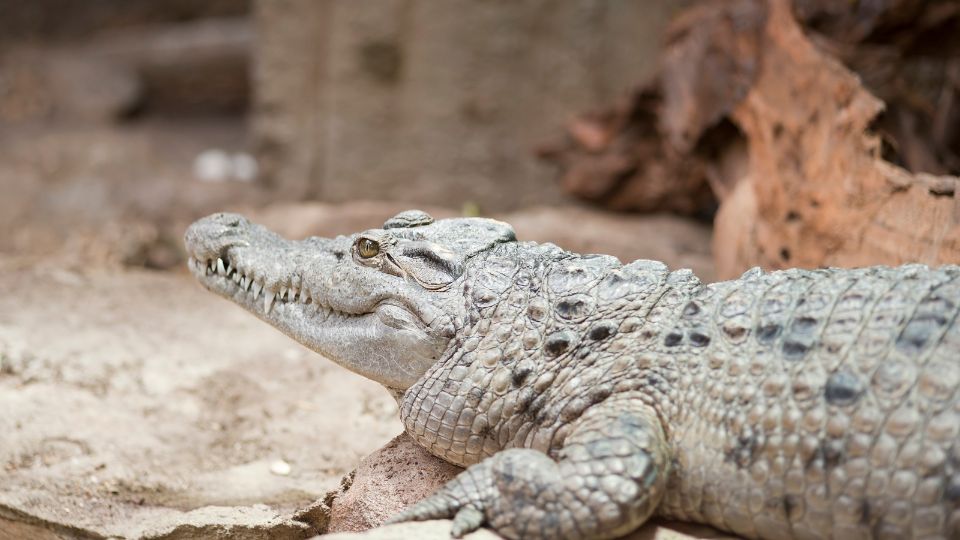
280	468
245	167
212	166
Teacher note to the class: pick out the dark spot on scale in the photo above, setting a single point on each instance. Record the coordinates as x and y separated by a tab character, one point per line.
918	332
767	332
865	512
794	350
485	430
599	393
803	325
951	492
601	331
691	309
557	343
571	308
474	395
339	255
655	381
832	452
524	400
743	452
699	340
843	388
673	339
538	409
734	332
790	503
451	387
520	375
937	304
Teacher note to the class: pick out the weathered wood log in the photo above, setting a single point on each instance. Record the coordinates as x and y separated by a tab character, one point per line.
818	192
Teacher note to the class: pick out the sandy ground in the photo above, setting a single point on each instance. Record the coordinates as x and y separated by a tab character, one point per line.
133	399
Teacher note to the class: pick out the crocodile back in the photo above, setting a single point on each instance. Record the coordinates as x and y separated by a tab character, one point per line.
815	404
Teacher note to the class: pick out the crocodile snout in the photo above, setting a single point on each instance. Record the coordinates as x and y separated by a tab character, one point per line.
211	236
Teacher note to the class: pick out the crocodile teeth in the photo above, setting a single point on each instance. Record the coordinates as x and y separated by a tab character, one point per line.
243	283
257	287
220	268
268	301
236	277
304	296
283	293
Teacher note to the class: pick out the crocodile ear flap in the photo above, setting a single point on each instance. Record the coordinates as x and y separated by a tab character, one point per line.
431	265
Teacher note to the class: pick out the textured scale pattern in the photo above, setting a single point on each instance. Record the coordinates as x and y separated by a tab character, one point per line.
793	404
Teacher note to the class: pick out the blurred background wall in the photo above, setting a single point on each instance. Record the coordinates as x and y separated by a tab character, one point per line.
416	100
439	102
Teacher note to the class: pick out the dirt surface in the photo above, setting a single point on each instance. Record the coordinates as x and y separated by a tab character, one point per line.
138	405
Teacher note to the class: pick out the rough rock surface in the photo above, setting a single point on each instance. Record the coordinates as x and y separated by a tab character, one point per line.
386	482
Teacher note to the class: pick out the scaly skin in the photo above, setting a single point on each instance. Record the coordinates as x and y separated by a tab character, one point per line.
584	396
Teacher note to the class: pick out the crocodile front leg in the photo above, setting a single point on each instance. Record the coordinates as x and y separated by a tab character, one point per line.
608	478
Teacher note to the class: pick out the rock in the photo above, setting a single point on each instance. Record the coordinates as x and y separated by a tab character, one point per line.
257	522
386	482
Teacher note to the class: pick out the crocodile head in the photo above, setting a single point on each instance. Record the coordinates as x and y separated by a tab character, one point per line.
384	303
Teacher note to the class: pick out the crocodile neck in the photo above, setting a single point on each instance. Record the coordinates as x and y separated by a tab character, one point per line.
539	329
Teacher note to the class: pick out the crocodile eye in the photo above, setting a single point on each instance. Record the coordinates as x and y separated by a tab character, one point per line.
367	248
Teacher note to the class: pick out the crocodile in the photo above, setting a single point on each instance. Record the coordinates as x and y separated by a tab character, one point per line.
584	395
